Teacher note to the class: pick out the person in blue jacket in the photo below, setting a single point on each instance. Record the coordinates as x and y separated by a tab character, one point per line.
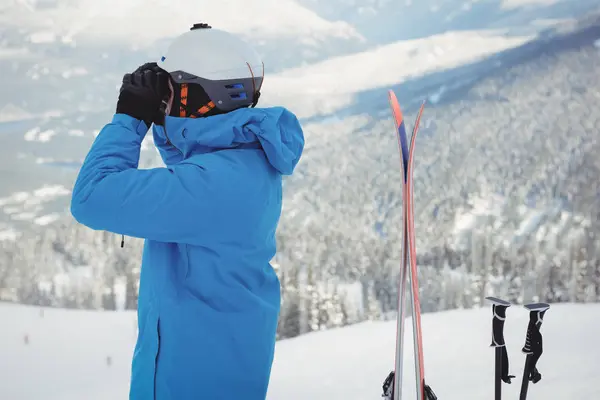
209	299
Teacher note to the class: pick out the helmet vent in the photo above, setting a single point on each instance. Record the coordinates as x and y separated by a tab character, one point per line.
235	86
238	96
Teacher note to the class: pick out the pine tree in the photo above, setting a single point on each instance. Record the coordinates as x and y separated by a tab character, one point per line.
338	314
289	318
373	306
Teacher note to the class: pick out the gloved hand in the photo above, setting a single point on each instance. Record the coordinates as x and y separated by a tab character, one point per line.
145	94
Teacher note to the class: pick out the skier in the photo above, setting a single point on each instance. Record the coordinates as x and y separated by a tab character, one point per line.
208	297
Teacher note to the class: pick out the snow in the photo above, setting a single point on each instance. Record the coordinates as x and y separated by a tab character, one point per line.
511	4
110	20
37	135
549	223
379	67
8	234
24	216
53	114
50	191
482	208
435	97
572	5
45	136
47	219
76	71
53	161
532	221
42	37
31	134
13	54
74	354
10	112
76	132
25	206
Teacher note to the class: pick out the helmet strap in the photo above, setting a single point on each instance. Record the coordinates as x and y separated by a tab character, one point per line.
183	105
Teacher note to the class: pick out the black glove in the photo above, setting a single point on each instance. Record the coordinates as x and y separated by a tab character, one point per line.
145	94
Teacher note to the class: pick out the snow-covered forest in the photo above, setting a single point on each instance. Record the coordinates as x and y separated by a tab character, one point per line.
507	203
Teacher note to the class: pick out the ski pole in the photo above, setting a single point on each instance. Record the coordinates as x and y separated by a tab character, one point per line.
499	307
533	346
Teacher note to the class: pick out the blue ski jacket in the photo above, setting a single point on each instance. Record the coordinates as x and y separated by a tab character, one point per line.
208	299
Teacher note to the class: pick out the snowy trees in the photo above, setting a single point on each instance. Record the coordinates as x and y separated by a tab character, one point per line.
68	265
506	203
7	263
331	274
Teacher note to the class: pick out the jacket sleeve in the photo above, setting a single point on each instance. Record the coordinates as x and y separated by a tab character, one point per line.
112	194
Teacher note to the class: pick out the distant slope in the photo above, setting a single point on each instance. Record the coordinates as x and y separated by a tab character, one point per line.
504	133
70	55
79	29
386	21
330	86
73	355
502	115
142	22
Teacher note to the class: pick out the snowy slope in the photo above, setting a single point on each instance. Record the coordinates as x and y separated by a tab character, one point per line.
335	82
385	21
141	22
73	355
82	27
62	61
70	55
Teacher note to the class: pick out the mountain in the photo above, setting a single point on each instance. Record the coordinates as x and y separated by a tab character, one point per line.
506	175
72	354
88	31
379	68
61	63
507	200
488	133
70	55
41	152
387	21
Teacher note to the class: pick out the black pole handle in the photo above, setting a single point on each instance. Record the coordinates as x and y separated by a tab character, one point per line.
533	346
533	341
499	307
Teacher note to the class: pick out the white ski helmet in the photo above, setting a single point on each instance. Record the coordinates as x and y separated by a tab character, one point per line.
228	69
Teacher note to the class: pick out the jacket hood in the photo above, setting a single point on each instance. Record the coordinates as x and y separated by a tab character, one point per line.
276	129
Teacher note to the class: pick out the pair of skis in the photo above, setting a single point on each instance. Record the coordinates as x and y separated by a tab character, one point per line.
533	345
392	387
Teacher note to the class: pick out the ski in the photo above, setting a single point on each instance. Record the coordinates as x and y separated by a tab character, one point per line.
424	392
533	346
501	374
394	380
392	387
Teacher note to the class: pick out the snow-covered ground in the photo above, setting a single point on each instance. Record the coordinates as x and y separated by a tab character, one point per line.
72	355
